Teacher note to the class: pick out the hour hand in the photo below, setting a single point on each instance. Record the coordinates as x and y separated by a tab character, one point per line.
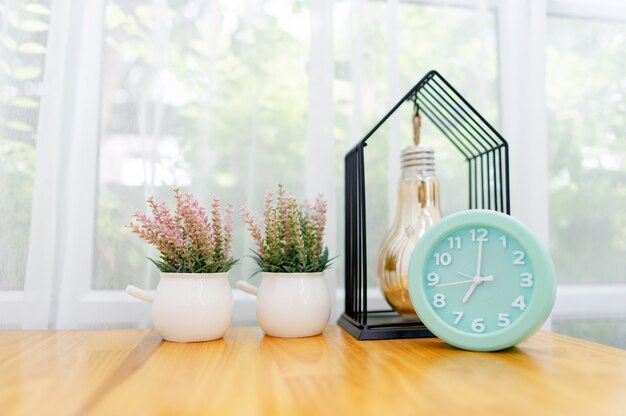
478	280
469	292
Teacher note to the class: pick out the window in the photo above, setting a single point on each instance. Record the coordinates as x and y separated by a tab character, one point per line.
226	98
586	90
586	98
380	53
23	36
209	99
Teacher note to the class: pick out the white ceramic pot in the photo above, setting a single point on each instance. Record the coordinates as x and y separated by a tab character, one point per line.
190	307
291	305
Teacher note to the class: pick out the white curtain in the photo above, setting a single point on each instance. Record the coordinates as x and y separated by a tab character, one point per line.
218	98
107	102
63	199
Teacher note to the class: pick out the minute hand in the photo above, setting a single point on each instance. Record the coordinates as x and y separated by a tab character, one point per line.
480	255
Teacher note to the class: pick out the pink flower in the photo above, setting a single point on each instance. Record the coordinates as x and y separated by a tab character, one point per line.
256	230
217	230
228	231
188	241
318	223
291	240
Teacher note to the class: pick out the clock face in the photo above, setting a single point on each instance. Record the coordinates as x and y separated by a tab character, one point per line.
481	280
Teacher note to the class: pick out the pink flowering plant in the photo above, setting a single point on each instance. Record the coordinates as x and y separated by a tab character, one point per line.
290	237
188	241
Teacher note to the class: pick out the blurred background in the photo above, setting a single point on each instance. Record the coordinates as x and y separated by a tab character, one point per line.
104	103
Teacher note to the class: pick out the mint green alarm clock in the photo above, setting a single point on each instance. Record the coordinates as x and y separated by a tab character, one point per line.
480	280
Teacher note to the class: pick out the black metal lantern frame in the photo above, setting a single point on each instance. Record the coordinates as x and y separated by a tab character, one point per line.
487	156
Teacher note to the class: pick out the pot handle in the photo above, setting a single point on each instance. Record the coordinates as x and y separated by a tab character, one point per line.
247	287
139	293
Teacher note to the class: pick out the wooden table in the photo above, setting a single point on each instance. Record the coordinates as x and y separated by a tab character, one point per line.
119	372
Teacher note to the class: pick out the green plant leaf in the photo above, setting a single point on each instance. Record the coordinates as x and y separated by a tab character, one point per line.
32	25
36	9
32	48
24	102
26	73
114	16
18	125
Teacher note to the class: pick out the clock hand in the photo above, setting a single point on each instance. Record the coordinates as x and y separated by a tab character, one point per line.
482	279
480	255
469	292
477	282
455	283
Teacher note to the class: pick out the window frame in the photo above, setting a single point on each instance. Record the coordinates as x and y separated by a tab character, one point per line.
597	301
81	306
11	308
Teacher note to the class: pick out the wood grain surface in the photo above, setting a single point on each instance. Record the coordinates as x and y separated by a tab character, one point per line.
133	372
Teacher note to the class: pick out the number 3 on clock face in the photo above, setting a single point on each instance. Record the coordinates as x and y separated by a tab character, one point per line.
481	280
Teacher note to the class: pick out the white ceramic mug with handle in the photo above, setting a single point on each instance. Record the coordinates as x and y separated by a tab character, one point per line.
190	307
291	305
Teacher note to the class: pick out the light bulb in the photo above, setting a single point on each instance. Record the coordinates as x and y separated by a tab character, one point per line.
417	210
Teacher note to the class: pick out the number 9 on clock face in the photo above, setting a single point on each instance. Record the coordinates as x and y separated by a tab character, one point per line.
481	280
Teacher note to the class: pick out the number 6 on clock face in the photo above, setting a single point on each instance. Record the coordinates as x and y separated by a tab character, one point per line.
480	280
